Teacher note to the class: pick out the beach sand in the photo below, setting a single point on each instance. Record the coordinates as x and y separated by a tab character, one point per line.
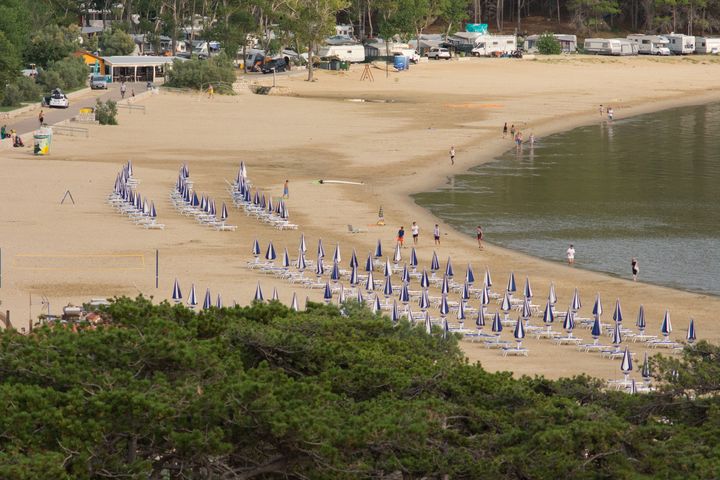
396	142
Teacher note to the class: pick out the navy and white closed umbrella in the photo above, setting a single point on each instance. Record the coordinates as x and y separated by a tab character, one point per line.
480	320
666	326
341	295
691	335
218	301
223	212
465	295
413	259
497	324
303	245
335	272
404	294
388	288
505	306
444	307
596	330
176	293
434	263
616	335
378	249
424	302
461	313
275	296
428	323
485	296
258	293
575	303
286	259
359	297
617	313
207	303
527	290
626	365
405	276
548	315
153	212
270	254
424	280
353	260
336	256
488	279
388	268
445	286
320	249
469	275
449	272
445	329
301	264
569	322
354	278
256	248
376	305
369	263
525	310
192	298
370	283
397	256
319	267
645	369
633	387
552	297
597	306
519	332
394	313
511	286
640	322
327	293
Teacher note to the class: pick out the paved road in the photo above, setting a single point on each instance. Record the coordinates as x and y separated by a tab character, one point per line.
28	122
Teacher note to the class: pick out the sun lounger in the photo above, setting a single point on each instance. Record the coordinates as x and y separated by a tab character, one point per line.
154	226
663	344
592	347
567	340
514	351
496	343
352	229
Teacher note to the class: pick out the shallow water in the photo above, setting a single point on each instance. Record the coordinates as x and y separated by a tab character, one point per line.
645	187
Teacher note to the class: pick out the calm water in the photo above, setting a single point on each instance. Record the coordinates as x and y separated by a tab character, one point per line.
647	187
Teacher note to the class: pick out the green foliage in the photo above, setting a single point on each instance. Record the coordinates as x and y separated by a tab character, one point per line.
106	113
198	74
547	44
9	61
265	392
52	43
116	42
67	74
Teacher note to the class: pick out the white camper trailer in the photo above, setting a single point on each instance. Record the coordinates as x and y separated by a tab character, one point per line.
650	44
346	53
681	44
707	45
568	43
491	45
610	46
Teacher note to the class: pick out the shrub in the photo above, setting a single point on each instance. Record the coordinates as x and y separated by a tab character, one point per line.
117	42
29	89
68	73
198	74
106	113
11	95
51	44
548	45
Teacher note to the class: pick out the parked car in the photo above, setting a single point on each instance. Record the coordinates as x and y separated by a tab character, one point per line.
438	52
276	64
56	99
98	82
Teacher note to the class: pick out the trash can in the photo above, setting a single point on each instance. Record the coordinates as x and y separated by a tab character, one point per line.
42	140
344	65
400	62
334	64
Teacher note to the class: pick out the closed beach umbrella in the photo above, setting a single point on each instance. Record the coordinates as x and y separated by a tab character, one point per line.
446	329
286	259
320	249
640	322
597	306
469	275
424	279
378	249
691	335
394	314
370	283
218	301
256	249
359	297
626	365
480	320
354	278
258	294
388	289
270	206
327	293
575	303
633	387
505	306
369	263
666	327
341	295
449	272
424	302
527	290
484	296
552	298
434	264
645	370
445	286
335	272
444	307
192	298
207	303
616	335
376	305
428	323
526	311
596	329
548	315
413	259
353	260
497	324
153	212
569	322
388	268
319	267
301	264
303	245
511	287
336	256
617	313
405	277
270	252
465	295
488	279
176	293
461	313
519	332
397	256
404	295
410	315
243	169
275	295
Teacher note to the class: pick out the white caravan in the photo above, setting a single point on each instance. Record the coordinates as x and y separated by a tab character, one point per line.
489	45
707	45
681	44
650	44
610	46
346	53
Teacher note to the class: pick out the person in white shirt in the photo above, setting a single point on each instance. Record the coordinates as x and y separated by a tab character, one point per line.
571	254
436	234
415	230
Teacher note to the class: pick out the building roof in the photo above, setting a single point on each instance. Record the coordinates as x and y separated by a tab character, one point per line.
91	30
137	60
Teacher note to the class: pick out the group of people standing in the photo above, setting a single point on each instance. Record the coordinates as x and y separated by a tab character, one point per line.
517	136
415	232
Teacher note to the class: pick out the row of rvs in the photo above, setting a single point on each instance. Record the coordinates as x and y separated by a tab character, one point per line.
672	44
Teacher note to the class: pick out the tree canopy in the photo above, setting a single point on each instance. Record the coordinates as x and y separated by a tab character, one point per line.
159	391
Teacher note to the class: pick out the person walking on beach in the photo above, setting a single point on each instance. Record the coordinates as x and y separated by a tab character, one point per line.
480	236
518	140
571	254
401	236
452	155
41	118
123	89
415	230
512	131
610	113
601	110
436	234
635	268
286	189
505	130
211	92
532	140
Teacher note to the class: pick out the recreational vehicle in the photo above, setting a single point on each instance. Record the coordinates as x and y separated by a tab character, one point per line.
650	44
490	45
681	44
707	45
568	43
346	53
610	46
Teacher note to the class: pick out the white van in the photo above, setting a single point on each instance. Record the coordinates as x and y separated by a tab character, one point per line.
650	44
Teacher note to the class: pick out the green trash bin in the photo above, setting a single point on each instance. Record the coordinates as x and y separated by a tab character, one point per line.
344	65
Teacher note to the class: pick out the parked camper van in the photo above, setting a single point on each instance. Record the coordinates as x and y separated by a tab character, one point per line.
490	45
610	46
568	43
681	44
650	44
346	53
707	45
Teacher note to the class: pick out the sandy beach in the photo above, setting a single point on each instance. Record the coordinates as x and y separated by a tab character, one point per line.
395	141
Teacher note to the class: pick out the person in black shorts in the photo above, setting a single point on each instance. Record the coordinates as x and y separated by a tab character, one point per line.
635	268
436	234
479	236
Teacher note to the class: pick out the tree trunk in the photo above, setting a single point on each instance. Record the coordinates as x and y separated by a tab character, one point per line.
558	10
310	62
